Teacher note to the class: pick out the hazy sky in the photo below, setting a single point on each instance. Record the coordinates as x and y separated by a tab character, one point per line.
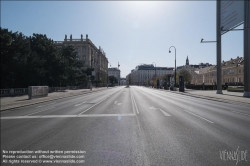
130	33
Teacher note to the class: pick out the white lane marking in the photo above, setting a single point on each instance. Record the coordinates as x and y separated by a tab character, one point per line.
58	116
40	111
20	117
45	105
67	116
135	105
92	106
184	110
198	116
105	115
80	104
132	103
166	114
240	113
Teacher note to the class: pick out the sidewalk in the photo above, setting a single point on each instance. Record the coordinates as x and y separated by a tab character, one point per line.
21	101
211	95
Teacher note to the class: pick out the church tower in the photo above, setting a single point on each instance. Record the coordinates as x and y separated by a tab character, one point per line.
187	61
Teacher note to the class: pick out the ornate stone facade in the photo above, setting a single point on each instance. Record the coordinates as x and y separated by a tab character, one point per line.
92	56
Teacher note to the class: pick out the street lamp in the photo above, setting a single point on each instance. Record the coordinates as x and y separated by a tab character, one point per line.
90	87
108	75
175	65
202	41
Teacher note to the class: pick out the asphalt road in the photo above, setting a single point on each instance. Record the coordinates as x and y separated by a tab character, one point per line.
127	126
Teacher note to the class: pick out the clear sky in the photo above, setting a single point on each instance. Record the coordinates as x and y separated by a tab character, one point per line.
130	33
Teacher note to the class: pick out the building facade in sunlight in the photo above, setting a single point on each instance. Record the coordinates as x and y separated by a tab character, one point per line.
87	52
191	68
232	73
142	73
114	71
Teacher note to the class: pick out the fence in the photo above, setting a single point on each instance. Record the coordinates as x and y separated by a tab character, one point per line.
24	91
56	89
13	91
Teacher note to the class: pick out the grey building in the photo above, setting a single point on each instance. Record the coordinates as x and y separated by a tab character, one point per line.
144	72
114	71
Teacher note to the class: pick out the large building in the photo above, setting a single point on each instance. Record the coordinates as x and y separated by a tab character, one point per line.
192	68
232	73
142	73
114	71
92	56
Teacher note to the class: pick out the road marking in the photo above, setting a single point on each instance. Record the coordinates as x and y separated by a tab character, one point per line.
132	103
45	105
166	114
80	104
184	110
116	103
92	106
68	116
135	104
240	113
40	111
20	117
198	116
104	115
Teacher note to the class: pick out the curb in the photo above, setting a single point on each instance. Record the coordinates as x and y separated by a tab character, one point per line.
48	100
206	97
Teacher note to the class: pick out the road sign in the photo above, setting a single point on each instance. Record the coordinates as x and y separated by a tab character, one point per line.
232	14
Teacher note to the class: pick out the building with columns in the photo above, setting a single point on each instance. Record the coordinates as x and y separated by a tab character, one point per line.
92	56
142	73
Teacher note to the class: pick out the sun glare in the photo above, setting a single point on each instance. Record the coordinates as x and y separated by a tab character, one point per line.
142	6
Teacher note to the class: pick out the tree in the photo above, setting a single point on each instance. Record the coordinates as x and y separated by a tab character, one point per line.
186	74
15	48
35	60
113	80
44	61
73	67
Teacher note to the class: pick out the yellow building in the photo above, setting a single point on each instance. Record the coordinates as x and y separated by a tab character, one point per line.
232	73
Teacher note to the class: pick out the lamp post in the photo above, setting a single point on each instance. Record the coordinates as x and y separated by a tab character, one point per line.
119	74
175	65
108	75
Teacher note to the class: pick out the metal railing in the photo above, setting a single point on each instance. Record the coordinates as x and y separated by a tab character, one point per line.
24	91
13	91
